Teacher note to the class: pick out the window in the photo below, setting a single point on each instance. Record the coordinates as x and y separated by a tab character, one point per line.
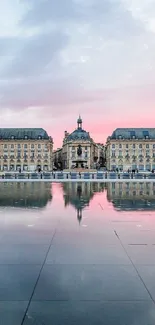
133	146
25	146
120	153
127	146
73	148
73	154
153	146
147	145
12	146
5	146
140	146
113	153
113	145
148	167
19	146
86	155
120	146
141	167
39	146
85	148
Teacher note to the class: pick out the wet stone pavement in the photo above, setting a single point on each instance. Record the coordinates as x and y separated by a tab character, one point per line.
77	253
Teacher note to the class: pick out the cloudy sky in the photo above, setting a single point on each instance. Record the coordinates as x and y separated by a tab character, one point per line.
65	57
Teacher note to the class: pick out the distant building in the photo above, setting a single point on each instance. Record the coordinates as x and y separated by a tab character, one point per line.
101	154
131	149
57	159
79	150
26	149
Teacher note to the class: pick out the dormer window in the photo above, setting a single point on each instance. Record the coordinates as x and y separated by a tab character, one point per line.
12	137
26	137
132	134
146	134
39	137
120	137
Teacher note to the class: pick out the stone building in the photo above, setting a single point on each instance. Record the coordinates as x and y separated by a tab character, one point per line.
79	150
131	149
25	149
57	159
101	155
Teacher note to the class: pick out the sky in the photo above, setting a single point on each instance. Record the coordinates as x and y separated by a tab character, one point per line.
59	59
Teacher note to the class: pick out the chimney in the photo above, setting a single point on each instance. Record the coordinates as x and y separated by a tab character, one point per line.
66	133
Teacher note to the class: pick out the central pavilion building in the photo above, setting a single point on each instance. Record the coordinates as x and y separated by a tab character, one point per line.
79	150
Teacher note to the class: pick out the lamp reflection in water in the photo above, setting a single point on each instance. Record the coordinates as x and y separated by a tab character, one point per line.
25	195
79	195
131	195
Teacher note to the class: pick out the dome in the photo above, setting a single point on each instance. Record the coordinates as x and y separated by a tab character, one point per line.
79	134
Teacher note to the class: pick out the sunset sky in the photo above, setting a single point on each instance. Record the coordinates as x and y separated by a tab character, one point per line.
65	57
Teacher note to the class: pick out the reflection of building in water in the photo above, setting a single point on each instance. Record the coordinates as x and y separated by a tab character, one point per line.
25	195
132	195
79	195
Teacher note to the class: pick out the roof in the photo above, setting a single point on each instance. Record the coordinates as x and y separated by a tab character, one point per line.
133	133
78	134
23	133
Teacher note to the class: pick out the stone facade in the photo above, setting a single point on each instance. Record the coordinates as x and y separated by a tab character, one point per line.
79	150
131	149
25	149
57	159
